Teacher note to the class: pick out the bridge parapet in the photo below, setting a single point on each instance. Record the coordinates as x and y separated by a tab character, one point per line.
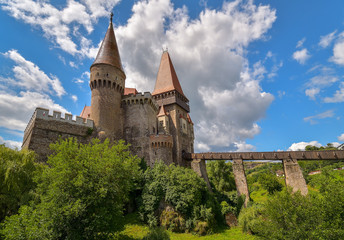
299	155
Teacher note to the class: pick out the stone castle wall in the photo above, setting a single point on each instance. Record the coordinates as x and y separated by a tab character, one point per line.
44	129
161	148
140	122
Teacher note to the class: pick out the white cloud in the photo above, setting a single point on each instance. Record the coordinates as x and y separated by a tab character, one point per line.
56	23
209	56
16	111
29	77
312	92
326	40
10	143
341	137
338	52
300	43
85	76
338	96
300	146
326	114
301	56
74	98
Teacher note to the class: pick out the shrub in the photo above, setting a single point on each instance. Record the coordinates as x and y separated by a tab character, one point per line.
181	189
157	234
81	195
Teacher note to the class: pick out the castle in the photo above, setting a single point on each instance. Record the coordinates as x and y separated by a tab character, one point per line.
157	125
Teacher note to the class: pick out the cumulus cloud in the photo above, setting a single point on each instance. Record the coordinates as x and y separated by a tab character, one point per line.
326	40
338	52
56	23
16	110
341	137
326	114
10	143
301	56
74	98
300	146
209	56
338	96
28	76
26	88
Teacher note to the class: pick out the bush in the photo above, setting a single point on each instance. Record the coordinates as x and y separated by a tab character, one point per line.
17	170
270	183
157	234
183	191
81	194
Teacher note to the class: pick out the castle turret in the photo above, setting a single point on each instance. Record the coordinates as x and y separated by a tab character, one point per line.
174	109
107	83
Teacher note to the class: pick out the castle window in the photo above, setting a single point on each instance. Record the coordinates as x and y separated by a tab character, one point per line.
107	74
161	123
97	73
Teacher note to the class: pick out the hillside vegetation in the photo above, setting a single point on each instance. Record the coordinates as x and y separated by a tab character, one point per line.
101	191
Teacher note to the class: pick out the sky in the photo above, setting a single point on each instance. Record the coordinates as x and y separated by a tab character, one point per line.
260	75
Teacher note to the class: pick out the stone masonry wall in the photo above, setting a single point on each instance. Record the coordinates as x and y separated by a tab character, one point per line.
139	122
44	129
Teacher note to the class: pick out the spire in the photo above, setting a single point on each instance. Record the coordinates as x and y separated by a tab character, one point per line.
167	79
108	51
162	111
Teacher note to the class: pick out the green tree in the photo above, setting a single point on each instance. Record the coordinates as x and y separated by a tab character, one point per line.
178	199
81	195
270	182
17	169
221	176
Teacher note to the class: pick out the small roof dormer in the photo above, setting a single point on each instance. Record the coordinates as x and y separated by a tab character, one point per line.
162	111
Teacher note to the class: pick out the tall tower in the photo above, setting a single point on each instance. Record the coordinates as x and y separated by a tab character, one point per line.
107	83
169	95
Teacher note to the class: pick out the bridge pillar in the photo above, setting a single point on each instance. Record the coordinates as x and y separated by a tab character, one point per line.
294	177
198	165
240	179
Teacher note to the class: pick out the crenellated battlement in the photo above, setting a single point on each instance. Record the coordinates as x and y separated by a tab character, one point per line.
161	140
140	98
42	113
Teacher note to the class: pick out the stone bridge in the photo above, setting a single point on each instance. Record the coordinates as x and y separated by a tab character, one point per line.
292	170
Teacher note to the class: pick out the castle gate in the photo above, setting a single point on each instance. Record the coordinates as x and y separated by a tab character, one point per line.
292	170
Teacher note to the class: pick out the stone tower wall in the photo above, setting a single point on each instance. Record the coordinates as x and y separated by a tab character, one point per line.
107	84
183	140
44	129
140	122
161	149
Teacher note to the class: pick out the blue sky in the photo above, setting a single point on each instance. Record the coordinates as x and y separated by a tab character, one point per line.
260	75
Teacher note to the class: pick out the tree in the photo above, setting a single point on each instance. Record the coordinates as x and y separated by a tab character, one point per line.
270	182
178	199
221	176
81	195
17	169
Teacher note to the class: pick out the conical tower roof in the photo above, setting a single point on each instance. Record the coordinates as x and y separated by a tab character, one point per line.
108	51
162	111
167	79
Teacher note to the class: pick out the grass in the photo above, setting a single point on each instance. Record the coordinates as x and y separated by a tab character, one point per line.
135	230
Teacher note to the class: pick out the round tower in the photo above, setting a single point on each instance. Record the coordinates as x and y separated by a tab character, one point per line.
107	83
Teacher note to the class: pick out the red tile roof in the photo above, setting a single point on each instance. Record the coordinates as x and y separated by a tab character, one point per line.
86	112
108	51
128	91
162	111
167	79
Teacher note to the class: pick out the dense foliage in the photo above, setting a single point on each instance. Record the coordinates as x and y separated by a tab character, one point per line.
178	199
81	194
17	169
287	215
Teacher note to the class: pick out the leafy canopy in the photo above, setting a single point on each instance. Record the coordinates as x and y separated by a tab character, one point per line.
81	195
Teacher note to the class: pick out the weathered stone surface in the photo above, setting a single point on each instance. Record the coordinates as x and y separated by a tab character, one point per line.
199	166
240	179
294	177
